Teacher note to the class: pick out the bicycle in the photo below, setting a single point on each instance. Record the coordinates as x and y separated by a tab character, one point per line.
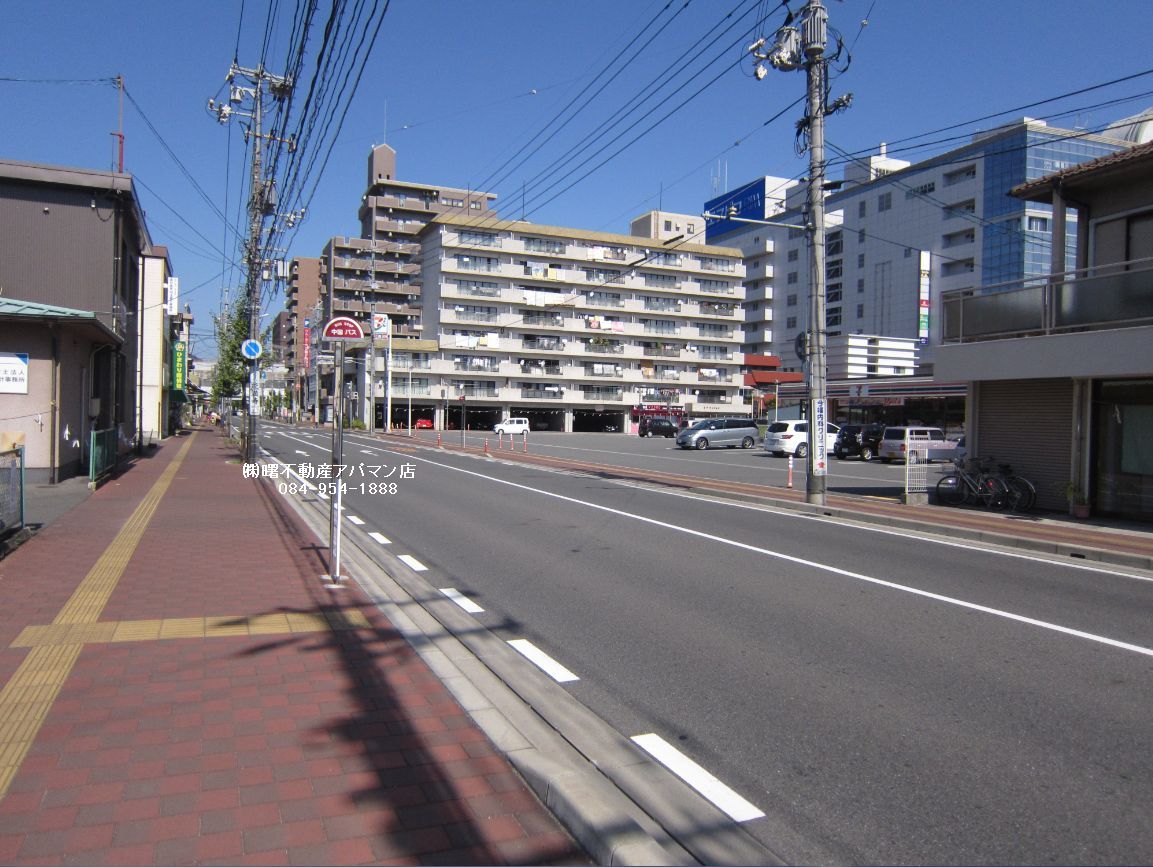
1022	495
964	486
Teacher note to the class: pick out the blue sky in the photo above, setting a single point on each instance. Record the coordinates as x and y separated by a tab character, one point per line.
458	87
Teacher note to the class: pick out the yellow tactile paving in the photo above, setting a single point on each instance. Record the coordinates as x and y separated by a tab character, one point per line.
29	694
107	632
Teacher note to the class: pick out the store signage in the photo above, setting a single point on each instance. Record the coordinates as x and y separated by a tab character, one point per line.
923	302
179	365
13	372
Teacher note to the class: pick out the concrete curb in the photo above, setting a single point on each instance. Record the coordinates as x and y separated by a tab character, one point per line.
533	720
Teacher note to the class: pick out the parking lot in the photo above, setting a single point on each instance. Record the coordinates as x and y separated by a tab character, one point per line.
755	465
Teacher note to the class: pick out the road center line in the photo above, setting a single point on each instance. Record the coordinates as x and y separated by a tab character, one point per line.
835	570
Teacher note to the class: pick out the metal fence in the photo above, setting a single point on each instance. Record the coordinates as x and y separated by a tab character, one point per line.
917	466
11	491
102	455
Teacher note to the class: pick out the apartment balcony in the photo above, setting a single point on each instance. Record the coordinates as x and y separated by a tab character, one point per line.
1094	322
470	316
663	351
450	289
400	389
546	320
1076	301
548	392
553	370
477	365
707	308
601	394
607	348
551	248
544	345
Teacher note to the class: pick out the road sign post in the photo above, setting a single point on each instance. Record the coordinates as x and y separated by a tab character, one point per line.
341	329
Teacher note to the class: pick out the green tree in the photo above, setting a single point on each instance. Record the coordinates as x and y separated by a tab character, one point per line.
231	367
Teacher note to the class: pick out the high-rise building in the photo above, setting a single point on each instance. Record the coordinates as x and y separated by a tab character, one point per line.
899	234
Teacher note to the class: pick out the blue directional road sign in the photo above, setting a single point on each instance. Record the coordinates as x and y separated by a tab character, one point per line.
251	349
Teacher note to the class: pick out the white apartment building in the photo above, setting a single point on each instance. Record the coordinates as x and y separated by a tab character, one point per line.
576	330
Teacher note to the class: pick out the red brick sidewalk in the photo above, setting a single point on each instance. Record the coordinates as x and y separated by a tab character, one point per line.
215	704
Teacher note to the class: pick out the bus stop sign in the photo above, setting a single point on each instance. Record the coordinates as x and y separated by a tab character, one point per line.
343	328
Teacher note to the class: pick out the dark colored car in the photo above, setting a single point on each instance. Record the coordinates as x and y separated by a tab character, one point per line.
856	439
657	427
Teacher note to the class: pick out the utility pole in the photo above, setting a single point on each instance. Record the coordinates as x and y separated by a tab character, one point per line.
795	49
261	202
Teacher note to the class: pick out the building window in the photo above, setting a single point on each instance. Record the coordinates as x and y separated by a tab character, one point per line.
834	270
791	301
792	255
833	317
922	190
861	208
1034	223
860	284
792	278
860	236
791	322
860	311
962	174
884	202
860	260
833	293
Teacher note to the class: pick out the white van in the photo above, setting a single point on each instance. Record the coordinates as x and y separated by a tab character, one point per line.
513	425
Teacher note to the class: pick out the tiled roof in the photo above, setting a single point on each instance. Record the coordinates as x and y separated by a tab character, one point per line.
1135	154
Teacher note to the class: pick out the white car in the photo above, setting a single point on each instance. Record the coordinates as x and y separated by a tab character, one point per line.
930	440
792	438
514	425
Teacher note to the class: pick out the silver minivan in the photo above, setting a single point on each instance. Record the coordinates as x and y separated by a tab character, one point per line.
729	432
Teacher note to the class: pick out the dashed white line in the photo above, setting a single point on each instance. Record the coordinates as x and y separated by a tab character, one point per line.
412	563
354	519
724	798
542	660
461	600
379	539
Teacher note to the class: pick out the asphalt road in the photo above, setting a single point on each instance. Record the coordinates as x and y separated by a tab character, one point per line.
880	697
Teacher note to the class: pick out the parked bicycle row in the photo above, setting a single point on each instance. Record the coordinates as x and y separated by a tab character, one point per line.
976	482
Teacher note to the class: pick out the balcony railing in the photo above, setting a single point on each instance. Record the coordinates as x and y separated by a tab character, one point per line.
662	351
1071	301
601	393
548	393
604	348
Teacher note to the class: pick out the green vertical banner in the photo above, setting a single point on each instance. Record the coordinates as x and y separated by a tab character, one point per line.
179	364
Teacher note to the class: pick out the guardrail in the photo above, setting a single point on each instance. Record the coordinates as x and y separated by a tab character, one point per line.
11	491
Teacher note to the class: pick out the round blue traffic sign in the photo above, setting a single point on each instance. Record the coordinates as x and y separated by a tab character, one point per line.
251	349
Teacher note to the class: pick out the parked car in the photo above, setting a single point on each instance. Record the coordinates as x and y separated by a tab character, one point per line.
657	427
892	446
422	424
512	425
856	439
792	438
729	432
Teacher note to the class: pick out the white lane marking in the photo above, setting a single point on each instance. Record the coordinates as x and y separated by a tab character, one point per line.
412	563
378	538
542	660
724	798
968	545
354	519
461	600
950	600
299	451
367	452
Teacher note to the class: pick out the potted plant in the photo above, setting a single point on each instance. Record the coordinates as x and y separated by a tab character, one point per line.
1078	502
